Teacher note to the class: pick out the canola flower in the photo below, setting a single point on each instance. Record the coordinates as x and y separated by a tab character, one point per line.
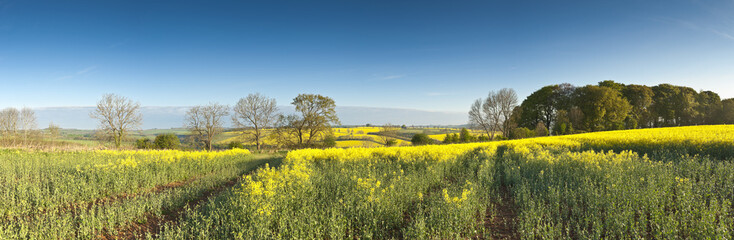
527	160
112	160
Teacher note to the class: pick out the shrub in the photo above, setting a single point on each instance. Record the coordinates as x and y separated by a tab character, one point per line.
167	141
235	144
391	142
329	142
448	139
541	130
519	133
421	139
465	136
144	143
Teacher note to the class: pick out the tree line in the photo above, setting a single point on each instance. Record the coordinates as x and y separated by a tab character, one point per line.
256	116
565	109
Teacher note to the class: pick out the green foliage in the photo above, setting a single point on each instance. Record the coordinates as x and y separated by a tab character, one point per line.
421	139
315	116
167	141
541	130
390	142
465	136
727	113
144	143
329	141
640	98
619	87
540	106
615	106
520	133
603	108
448	139
630	123
235	144
709	108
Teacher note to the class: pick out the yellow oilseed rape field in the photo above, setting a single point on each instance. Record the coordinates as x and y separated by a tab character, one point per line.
347	137
652	183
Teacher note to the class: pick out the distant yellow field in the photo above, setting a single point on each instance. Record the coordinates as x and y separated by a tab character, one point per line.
355	132
350	136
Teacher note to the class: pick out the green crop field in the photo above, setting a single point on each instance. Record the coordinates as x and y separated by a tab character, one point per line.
654	183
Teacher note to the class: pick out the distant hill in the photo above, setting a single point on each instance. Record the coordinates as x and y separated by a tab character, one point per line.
172	117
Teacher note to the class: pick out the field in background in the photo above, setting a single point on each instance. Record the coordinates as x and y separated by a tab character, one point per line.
346	136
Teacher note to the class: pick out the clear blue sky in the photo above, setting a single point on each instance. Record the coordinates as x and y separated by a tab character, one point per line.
432	55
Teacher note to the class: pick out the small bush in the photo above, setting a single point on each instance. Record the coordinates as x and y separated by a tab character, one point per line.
329	142
167	141
541	130
144	143
519	133
235	144
421	139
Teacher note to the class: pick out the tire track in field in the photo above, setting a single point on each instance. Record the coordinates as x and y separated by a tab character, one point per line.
152	224
501	217
75	207
501	220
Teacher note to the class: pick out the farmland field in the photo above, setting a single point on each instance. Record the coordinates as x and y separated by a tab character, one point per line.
87	195
651	183
671	183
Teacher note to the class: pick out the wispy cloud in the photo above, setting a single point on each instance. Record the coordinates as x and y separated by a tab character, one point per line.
695	27
390	77
86	70
723	34
82	72
63	78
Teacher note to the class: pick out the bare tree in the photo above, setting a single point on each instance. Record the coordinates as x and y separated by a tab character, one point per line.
205	122
493	113
27	123
484	114
54	131
387	134
9	121
478	118
117	115
256	112
506	99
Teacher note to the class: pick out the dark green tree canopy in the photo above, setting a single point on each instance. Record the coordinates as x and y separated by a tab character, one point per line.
609	105
540	106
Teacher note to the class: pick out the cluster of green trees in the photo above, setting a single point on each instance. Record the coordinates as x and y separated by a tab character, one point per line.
464	136
565	109
162	141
